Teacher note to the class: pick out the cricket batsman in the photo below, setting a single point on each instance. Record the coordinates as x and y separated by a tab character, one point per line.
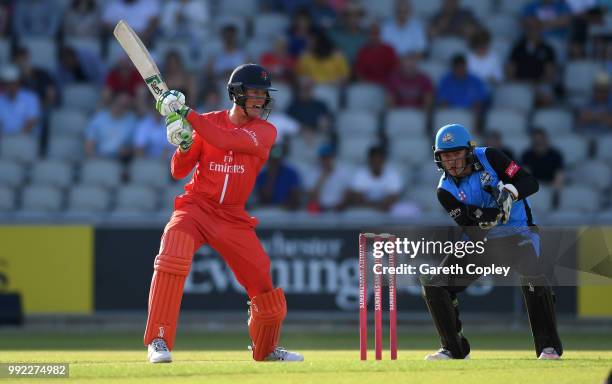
227	149
486	193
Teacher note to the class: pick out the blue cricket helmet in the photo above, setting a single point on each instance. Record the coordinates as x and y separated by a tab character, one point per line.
453	137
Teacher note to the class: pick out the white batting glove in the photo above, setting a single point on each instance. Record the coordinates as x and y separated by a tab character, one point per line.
178	131
171	101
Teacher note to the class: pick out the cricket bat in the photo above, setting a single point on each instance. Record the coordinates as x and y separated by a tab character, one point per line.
142	60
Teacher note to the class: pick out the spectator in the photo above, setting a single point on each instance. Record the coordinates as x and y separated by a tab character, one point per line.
123	77
5	18
82	19
482	60
405	33
279	184
348	34
376	59
377	185
278	61
533	60
19	107
141	15
330	183
150	138
323	15
544	162
322	62
408	86
210	100
585	14
223	63
111	130
596	116
178	77
186	20
453	21
299	32
461	89
310	112
286	126
36	79
553	16
36	18
493	139
77	66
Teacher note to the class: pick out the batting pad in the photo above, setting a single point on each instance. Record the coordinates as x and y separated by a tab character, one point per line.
171	269
268	311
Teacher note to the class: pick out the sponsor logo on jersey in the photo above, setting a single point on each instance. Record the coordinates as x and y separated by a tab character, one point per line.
485	178
252	135
455	213
512	169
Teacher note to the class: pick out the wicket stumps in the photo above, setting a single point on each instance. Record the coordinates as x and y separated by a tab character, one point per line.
363	299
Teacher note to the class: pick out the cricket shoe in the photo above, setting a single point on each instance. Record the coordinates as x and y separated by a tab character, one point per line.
281	354
549	353
442	354
158	352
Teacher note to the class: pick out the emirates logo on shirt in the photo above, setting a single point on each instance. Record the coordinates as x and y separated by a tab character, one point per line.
225	168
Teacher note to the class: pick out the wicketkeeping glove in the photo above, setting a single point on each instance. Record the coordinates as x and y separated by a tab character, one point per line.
504	195
178	131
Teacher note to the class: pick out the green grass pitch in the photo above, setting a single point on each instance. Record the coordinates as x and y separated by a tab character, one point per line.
330	358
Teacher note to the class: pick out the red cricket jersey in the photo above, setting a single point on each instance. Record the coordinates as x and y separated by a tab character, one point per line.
228	157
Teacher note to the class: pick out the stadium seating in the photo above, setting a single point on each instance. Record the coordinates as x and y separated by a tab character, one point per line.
100	172
41	199
135	198
7	199
53	173
12	173
406	122
68	122
150	173
514	96
22	148
82	97
87	199
366	97
356	123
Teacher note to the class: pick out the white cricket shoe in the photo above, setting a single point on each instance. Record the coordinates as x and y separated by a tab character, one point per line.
281	354
158	352
549	353
442	354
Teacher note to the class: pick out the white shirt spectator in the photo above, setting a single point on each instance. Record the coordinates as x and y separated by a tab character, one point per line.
375	189
407	38
138	13
334	187
150	137
36	18
110	134
487	67
225	61
16	112
285	125
185	18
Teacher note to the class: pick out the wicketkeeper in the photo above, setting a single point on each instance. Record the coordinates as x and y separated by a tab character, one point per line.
227	149
486	193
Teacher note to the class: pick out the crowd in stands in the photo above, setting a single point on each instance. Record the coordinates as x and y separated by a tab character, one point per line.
363	86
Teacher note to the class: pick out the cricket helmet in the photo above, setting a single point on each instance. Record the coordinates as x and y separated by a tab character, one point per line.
250	76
